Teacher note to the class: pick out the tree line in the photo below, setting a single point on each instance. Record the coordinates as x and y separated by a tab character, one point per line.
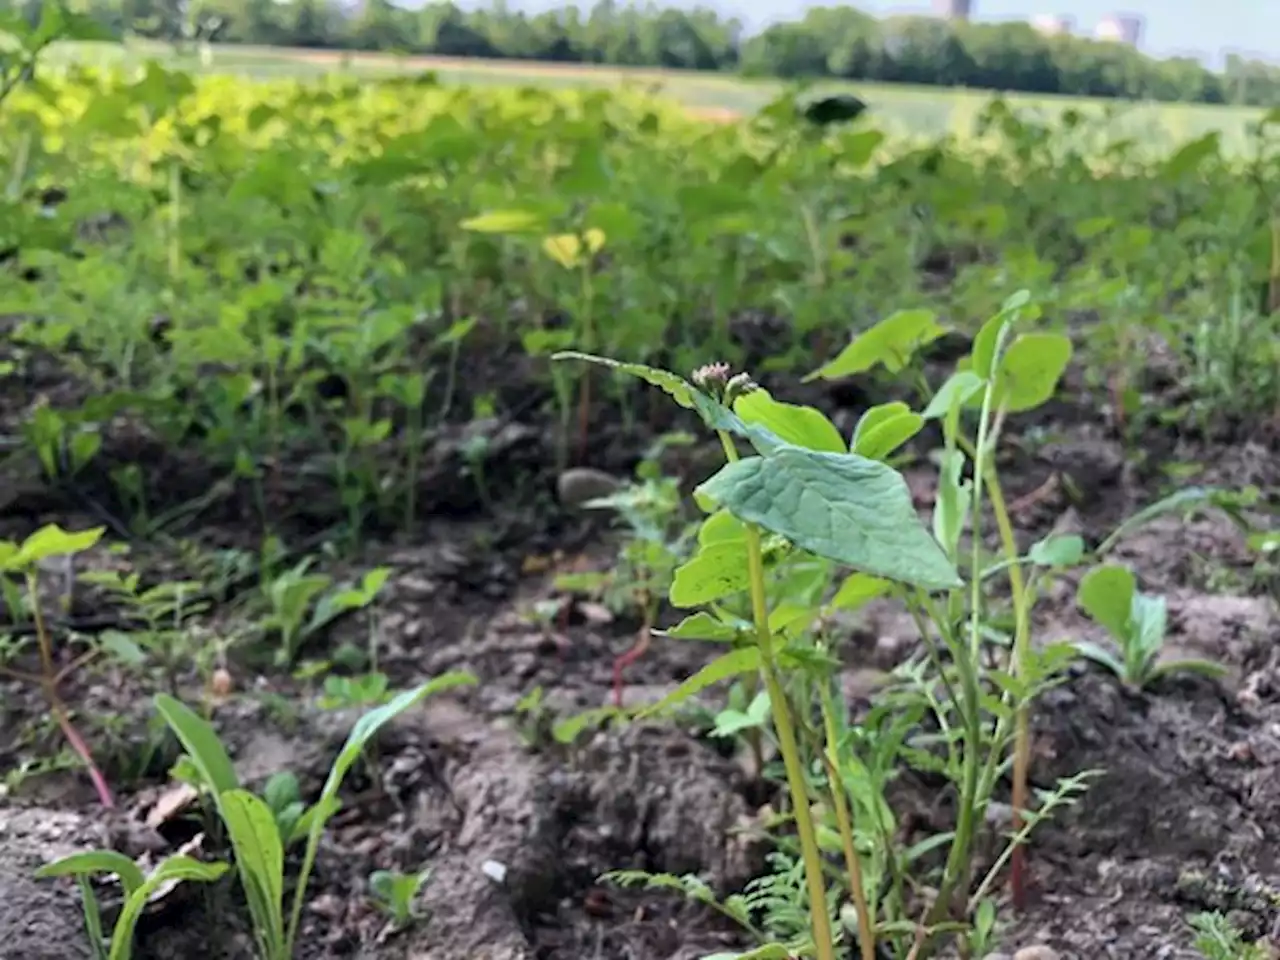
827	42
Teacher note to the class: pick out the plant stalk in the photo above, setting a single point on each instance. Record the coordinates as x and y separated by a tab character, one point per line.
839	803
820	920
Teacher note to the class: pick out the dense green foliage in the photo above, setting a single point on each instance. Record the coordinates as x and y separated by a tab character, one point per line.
839	42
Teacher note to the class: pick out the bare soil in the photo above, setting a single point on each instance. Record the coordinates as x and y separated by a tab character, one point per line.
517	833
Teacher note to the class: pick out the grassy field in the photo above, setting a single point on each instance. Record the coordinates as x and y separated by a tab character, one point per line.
904	109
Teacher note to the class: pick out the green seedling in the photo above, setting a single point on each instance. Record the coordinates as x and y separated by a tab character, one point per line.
396	894
166	640
1217	939
139	890
302	603
1137	624
23	562
283	797
256	840
369	690
655	541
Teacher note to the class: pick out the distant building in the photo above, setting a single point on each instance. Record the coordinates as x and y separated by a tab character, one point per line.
1120	28
953	9
1053	24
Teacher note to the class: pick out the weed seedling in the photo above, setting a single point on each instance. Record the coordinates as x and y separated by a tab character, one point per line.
396	894
138	892
1137	623
256	840
23	562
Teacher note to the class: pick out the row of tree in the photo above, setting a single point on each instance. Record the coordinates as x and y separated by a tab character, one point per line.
839	42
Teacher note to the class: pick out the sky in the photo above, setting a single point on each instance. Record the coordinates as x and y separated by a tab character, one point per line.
1206	28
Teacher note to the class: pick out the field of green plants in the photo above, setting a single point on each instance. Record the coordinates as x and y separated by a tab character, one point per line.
481	524
904	110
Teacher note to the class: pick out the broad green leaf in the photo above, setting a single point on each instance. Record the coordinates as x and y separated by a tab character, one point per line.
259	854
732	664
96	861
957	390
177	867
891	343
1148	622
504	221
721	527
702	626
1062	550
1029	371
857	590
792	423
52	541
1106	594
711	574
201	742
1192	154
840	506
883	437
986	344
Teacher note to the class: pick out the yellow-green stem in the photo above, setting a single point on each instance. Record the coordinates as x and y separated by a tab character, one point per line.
1021	643
839	803
823	940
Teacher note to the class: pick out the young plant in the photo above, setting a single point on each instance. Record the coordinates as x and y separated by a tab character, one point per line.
302	603
653	546
23	562
1217	939
138	891
807	501
256	840
397	893
1136	622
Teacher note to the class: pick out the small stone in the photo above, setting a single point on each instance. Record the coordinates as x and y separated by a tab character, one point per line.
576	486
1038	952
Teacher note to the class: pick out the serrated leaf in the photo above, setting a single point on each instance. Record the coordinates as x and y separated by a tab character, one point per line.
732	664
890	343
711	574
843	507
791	423
1106	593
680	390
